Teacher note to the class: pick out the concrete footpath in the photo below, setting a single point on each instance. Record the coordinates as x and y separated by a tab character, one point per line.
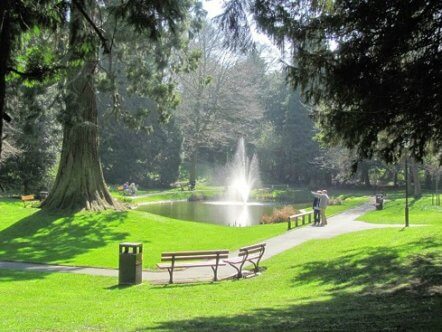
339	224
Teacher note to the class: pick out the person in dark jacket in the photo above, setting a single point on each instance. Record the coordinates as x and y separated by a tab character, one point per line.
316	212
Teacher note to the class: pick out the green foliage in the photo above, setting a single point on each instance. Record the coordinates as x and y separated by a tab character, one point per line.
36	134
372	67
287	150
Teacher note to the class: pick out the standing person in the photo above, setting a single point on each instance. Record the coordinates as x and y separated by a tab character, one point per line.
323	203
316	217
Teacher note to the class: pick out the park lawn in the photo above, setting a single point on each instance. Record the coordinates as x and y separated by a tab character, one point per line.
12	210
91	239
347	203
384	279
421	211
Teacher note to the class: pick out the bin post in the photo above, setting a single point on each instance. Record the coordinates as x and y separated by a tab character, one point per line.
130	263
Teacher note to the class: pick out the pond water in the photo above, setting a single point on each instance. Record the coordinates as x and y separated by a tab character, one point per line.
221	213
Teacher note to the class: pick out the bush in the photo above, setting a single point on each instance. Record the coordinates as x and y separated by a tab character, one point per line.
279	215
195	197
335	201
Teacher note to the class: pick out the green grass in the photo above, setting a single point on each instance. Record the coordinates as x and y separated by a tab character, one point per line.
156	195
421	212
374	280
91	239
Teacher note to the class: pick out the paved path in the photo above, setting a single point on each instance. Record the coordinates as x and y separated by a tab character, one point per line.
337	225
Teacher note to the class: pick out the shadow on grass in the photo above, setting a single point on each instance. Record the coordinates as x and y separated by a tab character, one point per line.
368	290
51	238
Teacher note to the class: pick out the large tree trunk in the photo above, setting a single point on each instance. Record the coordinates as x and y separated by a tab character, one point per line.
79	183
365	178
5	51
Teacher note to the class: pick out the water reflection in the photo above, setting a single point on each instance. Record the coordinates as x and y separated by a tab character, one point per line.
221	212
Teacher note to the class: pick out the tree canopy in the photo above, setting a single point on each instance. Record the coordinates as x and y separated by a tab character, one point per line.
372	68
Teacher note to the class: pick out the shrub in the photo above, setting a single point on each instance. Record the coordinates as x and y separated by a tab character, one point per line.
195	197
335	201
279	215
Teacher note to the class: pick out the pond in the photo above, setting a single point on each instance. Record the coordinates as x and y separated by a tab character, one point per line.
221	213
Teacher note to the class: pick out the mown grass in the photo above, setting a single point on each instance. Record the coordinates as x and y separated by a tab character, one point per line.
421	211
91	239
374	280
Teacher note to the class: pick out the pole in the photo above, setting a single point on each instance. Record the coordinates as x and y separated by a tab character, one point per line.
407	223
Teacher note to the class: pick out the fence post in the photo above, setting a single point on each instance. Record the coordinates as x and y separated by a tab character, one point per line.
288	224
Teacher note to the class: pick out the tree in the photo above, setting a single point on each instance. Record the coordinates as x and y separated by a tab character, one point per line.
221	98
16	18
36	136
79	183
379	88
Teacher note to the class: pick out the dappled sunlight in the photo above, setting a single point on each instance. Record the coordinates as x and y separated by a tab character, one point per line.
368	289
372	269
54	238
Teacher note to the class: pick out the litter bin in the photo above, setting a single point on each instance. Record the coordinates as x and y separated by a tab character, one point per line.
131	263
379	202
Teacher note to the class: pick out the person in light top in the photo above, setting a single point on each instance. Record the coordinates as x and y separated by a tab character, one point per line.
323	203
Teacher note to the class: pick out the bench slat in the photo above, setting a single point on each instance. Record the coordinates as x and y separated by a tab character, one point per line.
190	257
253	247
195	264
248	252
301	214
28	197
197	252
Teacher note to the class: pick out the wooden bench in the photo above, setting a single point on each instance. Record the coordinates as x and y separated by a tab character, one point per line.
301	215
27	198
252	254
186	259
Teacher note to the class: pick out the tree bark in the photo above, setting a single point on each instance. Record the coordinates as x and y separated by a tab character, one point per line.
365	178
415	176
5	52
192	172
80	183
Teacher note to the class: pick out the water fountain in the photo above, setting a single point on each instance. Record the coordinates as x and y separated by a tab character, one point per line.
243	174
235	208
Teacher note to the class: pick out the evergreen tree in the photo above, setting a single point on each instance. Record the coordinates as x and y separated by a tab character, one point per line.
374	67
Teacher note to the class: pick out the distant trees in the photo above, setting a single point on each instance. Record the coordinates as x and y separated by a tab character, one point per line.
373	67
36	135
287	149
221	98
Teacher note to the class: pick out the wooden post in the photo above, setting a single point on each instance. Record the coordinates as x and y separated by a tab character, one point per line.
303	219
296	221
310	218
288	224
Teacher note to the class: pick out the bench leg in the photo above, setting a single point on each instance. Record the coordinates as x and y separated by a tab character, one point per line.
239	273
171	275
215	273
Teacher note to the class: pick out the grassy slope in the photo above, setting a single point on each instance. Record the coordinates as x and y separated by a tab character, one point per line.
372	280
89	239
421	212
